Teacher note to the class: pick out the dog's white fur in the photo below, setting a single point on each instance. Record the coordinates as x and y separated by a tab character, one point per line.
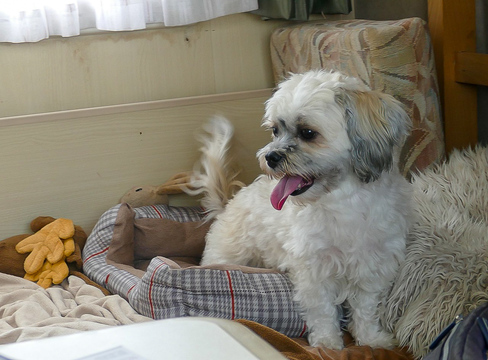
342	240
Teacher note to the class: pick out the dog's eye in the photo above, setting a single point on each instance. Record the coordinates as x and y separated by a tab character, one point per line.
274	129
307	134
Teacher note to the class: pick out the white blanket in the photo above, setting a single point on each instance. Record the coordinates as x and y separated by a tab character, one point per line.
28	311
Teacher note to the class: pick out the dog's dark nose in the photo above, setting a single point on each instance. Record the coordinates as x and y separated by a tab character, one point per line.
273	158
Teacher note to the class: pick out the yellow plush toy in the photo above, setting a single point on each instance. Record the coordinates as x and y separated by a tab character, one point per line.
48	249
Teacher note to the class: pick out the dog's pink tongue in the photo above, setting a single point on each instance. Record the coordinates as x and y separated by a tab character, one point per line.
285	187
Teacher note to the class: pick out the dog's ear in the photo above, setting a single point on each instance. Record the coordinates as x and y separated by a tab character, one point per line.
376	123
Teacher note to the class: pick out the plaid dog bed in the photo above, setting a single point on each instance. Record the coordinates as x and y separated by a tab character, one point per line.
134	253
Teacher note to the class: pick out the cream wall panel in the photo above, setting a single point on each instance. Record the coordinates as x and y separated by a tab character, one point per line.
241	53
79	167
222	55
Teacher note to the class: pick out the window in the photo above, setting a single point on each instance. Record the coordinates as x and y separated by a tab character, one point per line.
34	20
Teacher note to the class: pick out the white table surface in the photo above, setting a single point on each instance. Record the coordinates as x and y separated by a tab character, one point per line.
180	338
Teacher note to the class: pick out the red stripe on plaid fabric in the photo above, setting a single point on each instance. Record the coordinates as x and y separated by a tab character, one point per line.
231	295
93	255
150	289
128	292
304	330
106	279
156	209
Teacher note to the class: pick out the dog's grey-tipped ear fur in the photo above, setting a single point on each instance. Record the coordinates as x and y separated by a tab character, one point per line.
376	123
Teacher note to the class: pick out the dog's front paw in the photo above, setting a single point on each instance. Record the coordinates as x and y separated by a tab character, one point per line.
378	339
331	341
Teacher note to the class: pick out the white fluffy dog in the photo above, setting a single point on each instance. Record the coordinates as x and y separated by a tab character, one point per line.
333	210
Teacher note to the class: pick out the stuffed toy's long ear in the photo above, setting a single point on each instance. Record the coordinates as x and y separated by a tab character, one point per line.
376	123
39	222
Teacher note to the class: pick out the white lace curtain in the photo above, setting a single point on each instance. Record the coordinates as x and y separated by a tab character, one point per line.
34	20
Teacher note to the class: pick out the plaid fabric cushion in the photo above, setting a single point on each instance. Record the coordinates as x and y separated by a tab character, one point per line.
164	292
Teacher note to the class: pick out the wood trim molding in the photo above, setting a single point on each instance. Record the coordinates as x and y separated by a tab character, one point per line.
471	68
452	26
133	107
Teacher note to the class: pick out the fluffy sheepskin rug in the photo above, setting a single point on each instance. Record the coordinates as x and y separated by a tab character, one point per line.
445	272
